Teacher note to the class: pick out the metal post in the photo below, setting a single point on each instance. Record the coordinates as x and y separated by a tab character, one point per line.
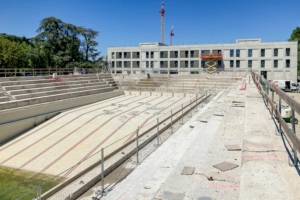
191	107
280	114
157	132
38	192
267	88
272	102
171	122
294	131
137	145
102	170
181	113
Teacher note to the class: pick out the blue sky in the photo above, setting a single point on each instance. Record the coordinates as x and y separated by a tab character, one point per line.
129	22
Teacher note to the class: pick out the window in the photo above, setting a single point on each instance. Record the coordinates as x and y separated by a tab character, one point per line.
231	63
237	63
275	52
186	54
192	54
176	63
113	64
176	54
287	51
151	64
125	55
147	54
249	63
138	54
138	63
120	55
275	63
262	63
161	64
287	63
219	64
203	63
238	53
262	52
186	64
161	54
202	52
125	64
152	54
147	64
113	55
192	63
120	64
249	52
231	52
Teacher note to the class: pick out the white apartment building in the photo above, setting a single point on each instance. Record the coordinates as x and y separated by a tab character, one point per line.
274	60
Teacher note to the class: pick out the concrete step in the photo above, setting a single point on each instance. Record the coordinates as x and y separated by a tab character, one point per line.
29	86
49	99
48	93
3	98
45	89
1	94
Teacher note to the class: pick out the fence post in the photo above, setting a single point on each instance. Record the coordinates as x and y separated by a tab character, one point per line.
294	131
272	100
38	192
191	107
280	114
182	114
171	122
157	132
137	145
102	170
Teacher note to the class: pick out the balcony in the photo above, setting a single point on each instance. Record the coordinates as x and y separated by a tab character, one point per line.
211	55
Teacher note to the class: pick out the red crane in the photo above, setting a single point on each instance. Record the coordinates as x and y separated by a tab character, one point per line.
171	35
162	22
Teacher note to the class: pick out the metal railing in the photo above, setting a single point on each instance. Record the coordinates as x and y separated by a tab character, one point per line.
11	72
265	87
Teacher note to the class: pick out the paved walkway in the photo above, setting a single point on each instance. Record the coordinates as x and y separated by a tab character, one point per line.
262	173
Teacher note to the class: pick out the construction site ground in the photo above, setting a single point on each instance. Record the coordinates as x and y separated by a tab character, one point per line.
234	117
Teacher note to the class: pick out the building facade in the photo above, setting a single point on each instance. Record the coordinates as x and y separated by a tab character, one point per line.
274	60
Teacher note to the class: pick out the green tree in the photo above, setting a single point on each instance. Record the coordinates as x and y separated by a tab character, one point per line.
11	54
295	36
60	41
88	44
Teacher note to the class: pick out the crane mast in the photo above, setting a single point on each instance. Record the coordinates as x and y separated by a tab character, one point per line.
162	23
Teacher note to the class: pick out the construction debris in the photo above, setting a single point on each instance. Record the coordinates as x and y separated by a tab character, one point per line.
232	147
188	170
225	166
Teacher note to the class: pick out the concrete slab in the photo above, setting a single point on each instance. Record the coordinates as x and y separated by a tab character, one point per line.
187	170
225	166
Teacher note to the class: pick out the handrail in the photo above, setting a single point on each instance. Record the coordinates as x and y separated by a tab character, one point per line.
290	101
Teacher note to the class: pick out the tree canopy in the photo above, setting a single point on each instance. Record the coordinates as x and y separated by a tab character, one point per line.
57	44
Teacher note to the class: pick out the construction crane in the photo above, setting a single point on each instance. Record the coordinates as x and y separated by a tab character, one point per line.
171	35
162	11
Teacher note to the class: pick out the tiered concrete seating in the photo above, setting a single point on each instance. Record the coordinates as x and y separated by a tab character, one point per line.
47	89
3	97
188	83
